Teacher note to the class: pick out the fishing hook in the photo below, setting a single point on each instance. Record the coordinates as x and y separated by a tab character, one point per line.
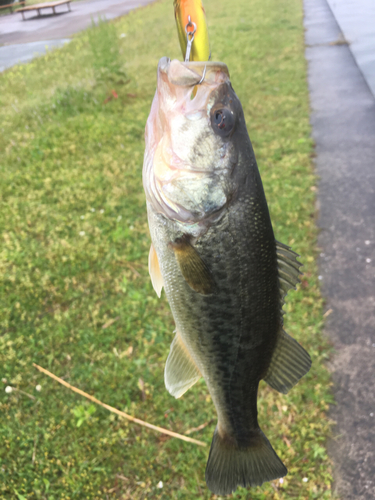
204	71
203	76
189	37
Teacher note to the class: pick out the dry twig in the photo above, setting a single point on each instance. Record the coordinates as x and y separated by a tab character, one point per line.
110	322
200	427
34	450
23	392
327	313
118	412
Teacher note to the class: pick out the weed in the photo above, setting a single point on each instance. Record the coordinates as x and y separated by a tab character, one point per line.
106	58
82	413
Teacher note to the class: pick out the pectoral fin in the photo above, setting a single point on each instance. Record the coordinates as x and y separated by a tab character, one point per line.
154	270
290	362
181	372
193	268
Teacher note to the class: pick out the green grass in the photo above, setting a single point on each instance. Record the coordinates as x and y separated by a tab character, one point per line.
74	252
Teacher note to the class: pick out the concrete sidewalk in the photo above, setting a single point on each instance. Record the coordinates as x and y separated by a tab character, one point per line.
18	38
343	122
356	19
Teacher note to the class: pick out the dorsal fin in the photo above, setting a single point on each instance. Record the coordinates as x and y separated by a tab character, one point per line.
288	268
290	362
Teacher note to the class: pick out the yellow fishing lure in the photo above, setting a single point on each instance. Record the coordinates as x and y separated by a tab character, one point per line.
183	9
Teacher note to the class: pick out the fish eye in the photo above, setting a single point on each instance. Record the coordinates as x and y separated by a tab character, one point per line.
222	121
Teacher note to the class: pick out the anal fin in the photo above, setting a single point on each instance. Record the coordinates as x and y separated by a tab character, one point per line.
154	270
181	372
290	362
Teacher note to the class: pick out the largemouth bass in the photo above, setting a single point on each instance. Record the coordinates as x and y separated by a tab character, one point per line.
214	251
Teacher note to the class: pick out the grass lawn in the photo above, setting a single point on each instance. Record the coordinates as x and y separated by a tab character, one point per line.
75	294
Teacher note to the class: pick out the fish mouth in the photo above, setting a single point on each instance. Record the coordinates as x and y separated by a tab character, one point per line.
192	73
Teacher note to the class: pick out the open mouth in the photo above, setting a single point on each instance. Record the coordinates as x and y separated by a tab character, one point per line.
189	74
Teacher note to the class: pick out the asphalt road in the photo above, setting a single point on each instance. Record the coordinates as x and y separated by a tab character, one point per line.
21	40
343	122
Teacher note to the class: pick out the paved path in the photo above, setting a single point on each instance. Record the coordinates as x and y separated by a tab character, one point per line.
356	19
343	121
18	38
24	52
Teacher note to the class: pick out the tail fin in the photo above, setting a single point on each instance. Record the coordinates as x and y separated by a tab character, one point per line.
230	466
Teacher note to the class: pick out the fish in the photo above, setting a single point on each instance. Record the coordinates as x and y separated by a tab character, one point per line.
224	274
183	9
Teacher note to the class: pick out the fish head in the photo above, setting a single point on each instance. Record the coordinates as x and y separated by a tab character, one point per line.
192	141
